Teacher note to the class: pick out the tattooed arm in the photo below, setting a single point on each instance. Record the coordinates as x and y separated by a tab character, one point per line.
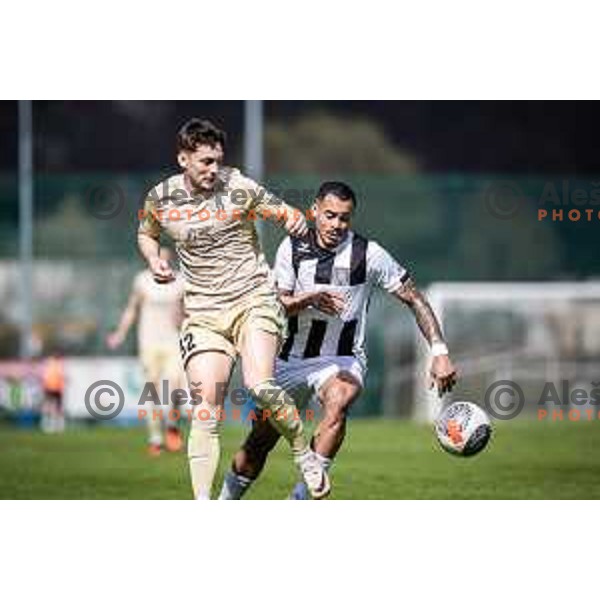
443	373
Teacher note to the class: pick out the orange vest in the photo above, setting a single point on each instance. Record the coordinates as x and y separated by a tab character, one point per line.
54	375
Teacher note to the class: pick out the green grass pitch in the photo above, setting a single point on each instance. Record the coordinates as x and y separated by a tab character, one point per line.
380	460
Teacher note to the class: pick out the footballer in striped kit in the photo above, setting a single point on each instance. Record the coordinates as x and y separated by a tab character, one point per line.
325	282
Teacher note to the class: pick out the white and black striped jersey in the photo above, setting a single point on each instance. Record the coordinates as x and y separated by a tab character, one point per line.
354	268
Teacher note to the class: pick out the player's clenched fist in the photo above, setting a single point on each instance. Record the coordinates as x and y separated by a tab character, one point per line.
161	270
443	374
114	340
296	224
331	303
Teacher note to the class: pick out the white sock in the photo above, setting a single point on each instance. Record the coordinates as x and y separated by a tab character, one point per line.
155	439
203	454
234	486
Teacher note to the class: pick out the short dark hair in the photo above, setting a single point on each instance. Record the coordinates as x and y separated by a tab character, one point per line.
337	188
199	132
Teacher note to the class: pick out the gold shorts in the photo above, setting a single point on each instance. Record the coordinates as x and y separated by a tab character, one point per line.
161	362
220	330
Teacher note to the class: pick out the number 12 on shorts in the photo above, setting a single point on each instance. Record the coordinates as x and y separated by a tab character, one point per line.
186	346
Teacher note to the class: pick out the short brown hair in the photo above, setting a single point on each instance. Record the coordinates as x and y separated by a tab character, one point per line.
199	132
339	189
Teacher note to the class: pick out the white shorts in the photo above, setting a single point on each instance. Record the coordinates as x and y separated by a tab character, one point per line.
304	377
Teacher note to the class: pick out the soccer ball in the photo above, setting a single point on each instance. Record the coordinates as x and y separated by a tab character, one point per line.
463	429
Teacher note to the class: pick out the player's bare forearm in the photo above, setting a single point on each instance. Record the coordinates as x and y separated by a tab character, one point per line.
127	320
428	323
295	304
117	337
331	303
149	247
443	374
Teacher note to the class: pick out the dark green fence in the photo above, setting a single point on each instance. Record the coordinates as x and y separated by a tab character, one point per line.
441	227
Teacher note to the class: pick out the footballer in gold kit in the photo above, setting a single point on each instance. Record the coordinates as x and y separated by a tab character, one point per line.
230	302
157	310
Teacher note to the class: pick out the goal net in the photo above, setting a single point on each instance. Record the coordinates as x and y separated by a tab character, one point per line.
531	334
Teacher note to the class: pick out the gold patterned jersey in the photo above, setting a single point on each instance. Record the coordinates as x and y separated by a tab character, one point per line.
215	236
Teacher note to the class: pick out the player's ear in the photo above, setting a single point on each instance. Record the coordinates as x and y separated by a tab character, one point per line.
182	160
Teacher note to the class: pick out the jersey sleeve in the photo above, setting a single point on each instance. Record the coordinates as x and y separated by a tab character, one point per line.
259	198
384	270
285	276
148	222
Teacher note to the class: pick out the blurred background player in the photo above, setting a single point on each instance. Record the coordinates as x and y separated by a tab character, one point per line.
325	284
53	385
231	304
157	309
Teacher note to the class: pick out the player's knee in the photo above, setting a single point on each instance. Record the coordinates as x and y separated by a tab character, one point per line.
338	401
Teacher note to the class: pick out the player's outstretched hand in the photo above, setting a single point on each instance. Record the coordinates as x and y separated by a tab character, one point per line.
161	270
331	303
443	374
296	224
114	340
